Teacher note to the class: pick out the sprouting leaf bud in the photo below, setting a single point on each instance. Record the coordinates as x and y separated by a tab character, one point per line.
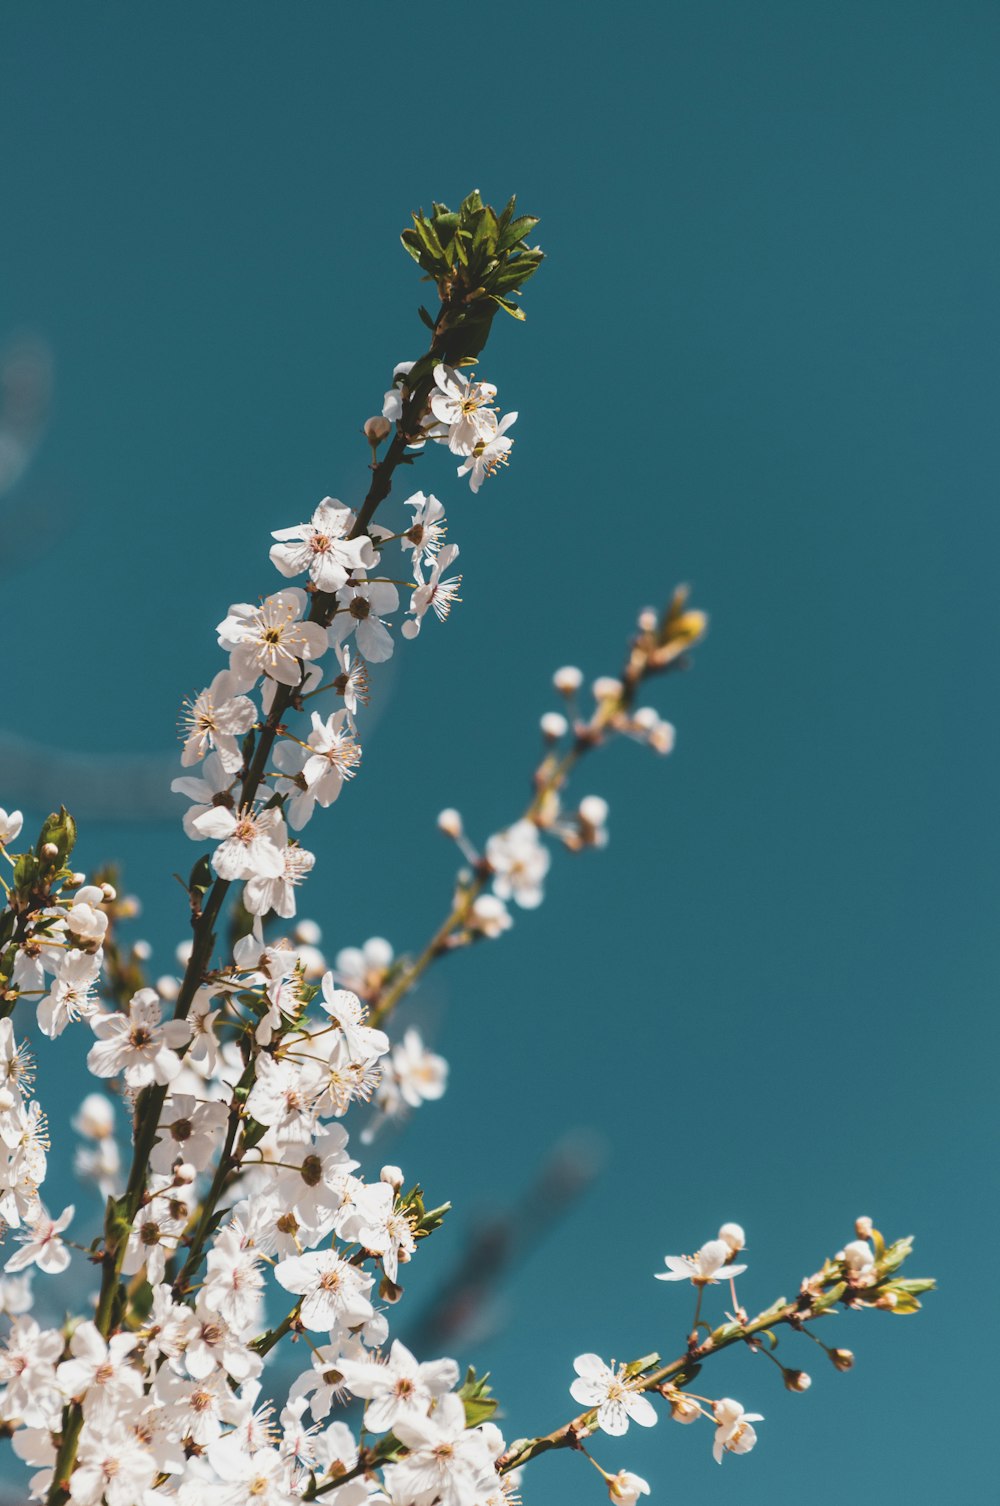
568	679
450	822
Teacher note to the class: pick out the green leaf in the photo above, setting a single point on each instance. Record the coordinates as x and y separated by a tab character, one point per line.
61	831
425	316
516	231
477	1399
508	307
829	1298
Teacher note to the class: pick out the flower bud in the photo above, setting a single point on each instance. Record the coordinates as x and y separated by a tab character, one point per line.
142	950
842	1358
625	1488
95	1117
450	822
376	430
75	880
568	679
863	1228
49	852
110	893
797	1380
648	619
168	988
308	933
593	810
393	1176
734	1237
606	687
554	725
685	1410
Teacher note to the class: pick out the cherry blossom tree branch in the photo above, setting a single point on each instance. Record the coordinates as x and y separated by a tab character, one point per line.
654	651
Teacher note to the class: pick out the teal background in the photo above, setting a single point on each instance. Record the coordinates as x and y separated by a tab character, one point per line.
761	358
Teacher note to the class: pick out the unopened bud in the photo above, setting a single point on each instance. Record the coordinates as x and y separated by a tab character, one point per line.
49	852
734	1236
142	950
376	430
863	1228
184	1174
593	811
308	933
554	725
110	893
606	687
76	879
842	1358
797	1380
450	822
168	988
887	1299
393	1176
648	618
568	679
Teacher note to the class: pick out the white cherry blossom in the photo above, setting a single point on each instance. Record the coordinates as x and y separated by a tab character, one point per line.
271	639
322	547
612	1393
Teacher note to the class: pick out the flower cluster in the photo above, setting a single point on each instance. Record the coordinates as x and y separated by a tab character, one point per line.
246	1214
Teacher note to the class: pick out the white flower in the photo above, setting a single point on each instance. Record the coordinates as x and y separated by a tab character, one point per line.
333	755
489	454
378	1226
41	1244
137	1043
425	534
361	609
264	895
111	1467
421	1075
625	1488
397	1387
858	1258
612	1393
520	861
233	1280
392	404
215	719
464	408
99	1365
10	826
322	547
271	639
347	1009
333	1292
15	1295
709	1265
251	841
434	592
71	996
733	1433
86	923
188	1131
490	916
448	1463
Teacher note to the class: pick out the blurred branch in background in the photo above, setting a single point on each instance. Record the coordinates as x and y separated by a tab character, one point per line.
466	1309
25	400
